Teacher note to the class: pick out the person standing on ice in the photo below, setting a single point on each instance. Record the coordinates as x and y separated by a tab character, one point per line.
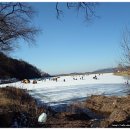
127	82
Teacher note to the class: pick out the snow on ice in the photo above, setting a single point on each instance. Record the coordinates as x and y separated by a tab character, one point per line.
66	89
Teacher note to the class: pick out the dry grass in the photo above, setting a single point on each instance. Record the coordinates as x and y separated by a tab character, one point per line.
122	73
75	117
3	100
13	103
10	97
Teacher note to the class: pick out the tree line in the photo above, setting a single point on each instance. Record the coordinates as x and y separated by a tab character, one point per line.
13	68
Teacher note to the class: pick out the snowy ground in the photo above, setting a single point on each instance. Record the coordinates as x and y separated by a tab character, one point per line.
52	92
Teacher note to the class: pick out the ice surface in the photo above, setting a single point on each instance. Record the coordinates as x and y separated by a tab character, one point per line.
60	92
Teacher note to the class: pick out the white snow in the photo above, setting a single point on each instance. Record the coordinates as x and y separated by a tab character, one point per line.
52	92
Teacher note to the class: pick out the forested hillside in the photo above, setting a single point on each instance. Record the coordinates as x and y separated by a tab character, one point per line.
13	68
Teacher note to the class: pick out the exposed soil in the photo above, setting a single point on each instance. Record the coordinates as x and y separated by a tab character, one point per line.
68	120
116	109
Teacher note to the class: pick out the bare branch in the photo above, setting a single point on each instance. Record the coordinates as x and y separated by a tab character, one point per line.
15	19
87	7
59	12
125	45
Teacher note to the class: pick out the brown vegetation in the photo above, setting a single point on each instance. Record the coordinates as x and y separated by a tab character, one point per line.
122	73
116	109
68	120
17	105
74	117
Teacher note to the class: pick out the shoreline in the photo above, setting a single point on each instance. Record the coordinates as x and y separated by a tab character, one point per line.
90	113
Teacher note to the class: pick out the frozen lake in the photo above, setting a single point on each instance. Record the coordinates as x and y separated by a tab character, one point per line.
75	88
67	94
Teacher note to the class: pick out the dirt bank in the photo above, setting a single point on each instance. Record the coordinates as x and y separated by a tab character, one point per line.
18	108
68	120
116	109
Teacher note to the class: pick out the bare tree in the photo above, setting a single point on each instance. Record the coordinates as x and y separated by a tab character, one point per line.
125	45
15	23
121	67
16	18
88	8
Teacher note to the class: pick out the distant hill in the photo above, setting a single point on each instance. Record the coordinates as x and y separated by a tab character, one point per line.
107	70
71	74
13	68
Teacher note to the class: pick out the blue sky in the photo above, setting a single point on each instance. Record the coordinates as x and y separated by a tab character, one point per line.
73	45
